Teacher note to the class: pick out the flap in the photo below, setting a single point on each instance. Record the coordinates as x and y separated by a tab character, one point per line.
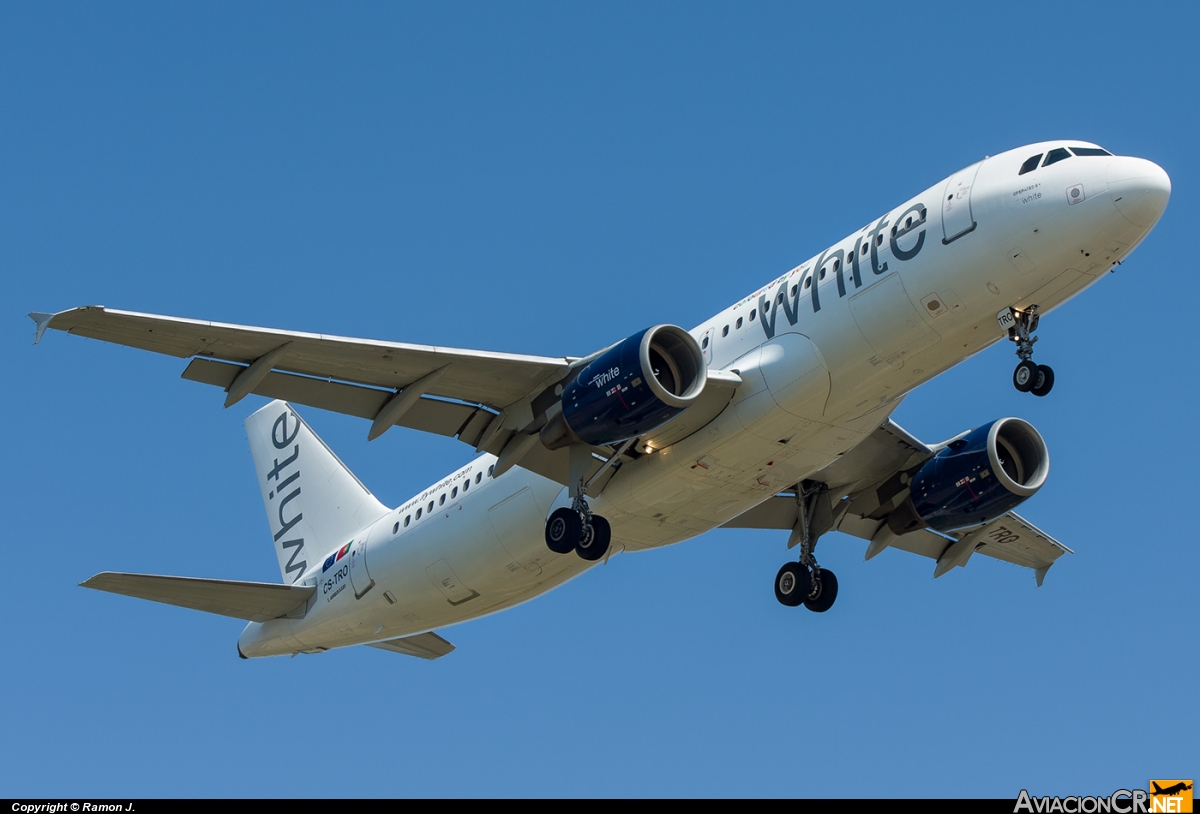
424	646
252	601
429	415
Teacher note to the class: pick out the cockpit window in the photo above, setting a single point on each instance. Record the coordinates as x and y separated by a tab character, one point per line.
1089	151
1054	156
1031	164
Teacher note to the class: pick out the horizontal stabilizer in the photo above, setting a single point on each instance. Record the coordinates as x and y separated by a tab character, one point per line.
425	646
252	601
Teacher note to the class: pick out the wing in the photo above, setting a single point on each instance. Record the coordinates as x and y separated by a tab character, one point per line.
495	402
493	380
865	484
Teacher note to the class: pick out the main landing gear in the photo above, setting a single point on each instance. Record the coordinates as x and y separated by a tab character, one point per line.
577	528
805	582
1028	377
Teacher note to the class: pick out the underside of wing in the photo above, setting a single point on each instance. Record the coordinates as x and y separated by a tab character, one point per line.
856	494
495	402
252	601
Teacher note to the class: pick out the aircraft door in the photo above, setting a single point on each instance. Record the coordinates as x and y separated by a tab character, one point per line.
957	217
360	578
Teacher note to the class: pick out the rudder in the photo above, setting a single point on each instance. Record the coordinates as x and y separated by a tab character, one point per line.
313	501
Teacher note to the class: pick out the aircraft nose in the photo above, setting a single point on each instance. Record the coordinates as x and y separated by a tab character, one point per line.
1140	189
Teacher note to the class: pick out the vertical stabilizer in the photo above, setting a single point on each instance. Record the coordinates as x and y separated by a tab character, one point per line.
313	501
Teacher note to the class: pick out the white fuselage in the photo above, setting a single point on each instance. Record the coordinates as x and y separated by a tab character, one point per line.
820	372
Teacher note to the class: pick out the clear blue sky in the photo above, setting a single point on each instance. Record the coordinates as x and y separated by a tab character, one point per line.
548	178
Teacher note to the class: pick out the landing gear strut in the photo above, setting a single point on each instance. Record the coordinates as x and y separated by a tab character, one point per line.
577	528
1028	377
805	582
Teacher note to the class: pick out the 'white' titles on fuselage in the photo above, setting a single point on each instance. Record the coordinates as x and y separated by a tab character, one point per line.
809	280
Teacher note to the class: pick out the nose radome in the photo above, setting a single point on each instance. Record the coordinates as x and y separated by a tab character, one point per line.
1140	189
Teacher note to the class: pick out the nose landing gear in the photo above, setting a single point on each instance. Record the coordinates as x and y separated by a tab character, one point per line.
1028	377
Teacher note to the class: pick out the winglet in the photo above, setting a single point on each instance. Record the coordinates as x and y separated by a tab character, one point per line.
40	321
1040	574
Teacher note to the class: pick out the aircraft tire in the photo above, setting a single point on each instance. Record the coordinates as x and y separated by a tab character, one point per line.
563	530
1045	381
1025	376
596	545
823	594
792	584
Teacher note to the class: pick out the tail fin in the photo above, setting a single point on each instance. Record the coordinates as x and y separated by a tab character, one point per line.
313	501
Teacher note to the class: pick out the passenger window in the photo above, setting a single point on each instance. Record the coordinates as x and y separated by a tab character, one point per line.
878	240
822	274
807	283
442	499
478	477
793	291
454	493
739	323
407	519
864	250
837	264
430	506
1030	164
419	513
1089	151
395	527
704	344
466	485
753	311
1054	156
725	331
491	469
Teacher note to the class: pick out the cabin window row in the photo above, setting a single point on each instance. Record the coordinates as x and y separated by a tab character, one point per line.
909	222
441	500
725	331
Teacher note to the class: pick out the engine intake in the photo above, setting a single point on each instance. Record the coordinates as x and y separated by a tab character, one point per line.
976	478
635	386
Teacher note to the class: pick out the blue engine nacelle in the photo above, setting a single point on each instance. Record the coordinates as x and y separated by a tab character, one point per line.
976	478
638	384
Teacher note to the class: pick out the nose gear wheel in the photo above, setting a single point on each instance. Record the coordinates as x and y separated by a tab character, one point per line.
1028	377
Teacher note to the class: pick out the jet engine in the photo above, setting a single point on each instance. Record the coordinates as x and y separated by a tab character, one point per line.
638	384
975	478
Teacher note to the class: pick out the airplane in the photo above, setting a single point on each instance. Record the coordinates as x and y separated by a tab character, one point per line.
774	413
1170	791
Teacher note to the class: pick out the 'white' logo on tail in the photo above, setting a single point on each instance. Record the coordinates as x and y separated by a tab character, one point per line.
282	439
